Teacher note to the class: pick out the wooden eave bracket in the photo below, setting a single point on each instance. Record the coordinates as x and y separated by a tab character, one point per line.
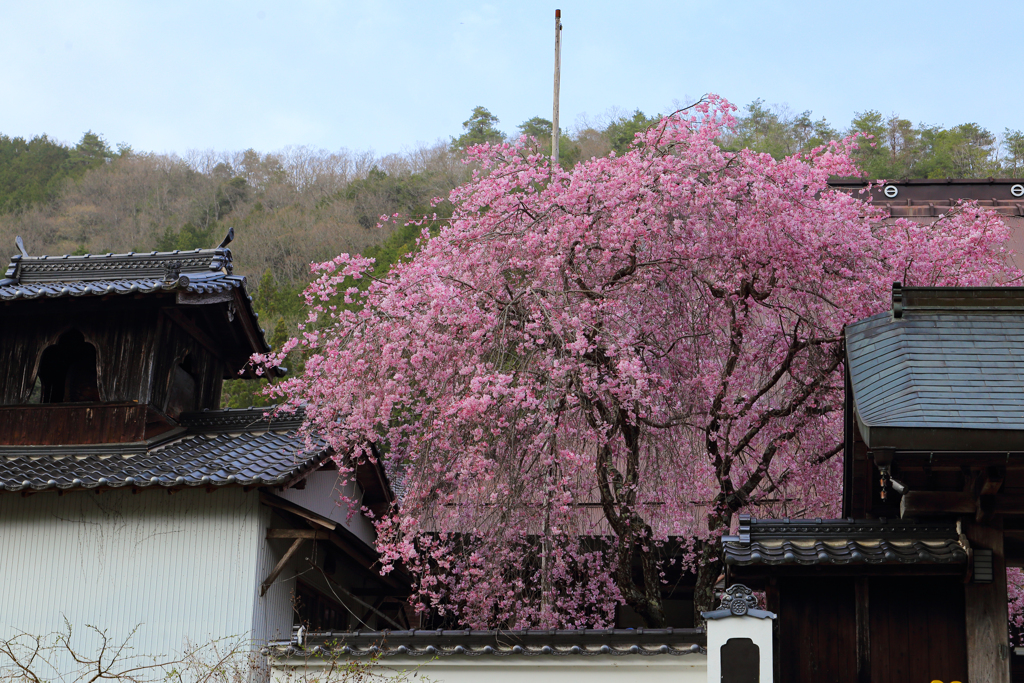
300	535
330	529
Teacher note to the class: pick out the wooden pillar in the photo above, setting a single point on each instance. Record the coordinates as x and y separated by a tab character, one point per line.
863	630
988	640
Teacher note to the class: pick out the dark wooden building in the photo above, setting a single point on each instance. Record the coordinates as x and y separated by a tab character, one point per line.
911	584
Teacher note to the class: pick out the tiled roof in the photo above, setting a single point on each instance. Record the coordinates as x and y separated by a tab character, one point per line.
430	644
200	271
943	371
841	542
214	448
192	275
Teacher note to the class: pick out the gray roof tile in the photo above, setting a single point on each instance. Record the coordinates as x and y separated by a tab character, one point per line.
216	448
841	542
951	358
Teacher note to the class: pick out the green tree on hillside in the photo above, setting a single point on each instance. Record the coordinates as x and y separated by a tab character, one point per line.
1013	142
480	128
623	130
30	171
91	151
540	129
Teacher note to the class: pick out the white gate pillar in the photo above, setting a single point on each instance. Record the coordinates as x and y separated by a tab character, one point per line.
739	639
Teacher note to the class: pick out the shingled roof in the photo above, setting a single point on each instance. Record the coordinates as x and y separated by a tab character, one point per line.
943	370
212	448
842	542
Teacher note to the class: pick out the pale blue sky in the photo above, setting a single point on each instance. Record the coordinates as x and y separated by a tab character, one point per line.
172	76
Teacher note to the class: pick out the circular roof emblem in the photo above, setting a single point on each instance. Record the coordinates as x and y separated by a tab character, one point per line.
1017	190
891	191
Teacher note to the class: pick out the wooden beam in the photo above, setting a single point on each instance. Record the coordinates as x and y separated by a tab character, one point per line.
281	504
924	503
992	480
297	533
191	328
279	567
365	562
988	643
916	503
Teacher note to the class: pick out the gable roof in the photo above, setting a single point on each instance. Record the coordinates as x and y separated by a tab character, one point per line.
213	448
944	370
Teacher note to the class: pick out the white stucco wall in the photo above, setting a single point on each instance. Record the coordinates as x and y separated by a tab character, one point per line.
721	631
182	567
691	668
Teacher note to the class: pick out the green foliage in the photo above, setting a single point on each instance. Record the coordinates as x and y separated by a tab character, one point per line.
623	130
1013	141
773	130
963	151
536	127
188	238
91	151
278	301
480	128
540	129
30	171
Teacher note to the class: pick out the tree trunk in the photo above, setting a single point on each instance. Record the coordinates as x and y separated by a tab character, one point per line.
709	564
709	567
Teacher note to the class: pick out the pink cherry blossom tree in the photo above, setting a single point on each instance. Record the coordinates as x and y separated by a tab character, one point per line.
585	375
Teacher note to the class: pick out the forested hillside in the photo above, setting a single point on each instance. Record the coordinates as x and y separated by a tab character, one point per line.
301	204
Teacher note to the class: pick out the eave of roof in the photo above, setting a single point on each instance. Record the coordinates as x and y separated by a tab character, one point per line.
944	370
215	448
841	542
194	276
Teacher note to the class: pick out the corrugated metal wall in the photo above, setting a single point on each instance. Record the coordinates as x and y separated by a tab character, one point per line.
181	567
272	618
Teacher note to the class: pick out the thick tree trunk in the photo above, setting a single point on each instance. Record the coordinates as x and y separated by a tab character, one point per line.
709	566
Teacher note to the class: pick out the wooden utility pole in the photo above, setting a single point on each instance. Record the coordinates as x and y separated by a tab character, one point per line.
558	72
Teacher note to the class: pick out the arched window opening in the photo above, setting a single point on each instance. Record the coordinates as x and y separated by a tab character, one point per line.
67	371
181	397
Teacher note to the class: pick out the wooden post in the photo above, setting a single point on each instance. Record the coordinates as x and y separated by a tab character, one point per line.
863	630
558	76
988	641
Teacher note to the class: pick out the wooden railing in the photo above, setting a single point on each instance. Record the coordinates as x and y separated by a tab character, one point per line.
70	423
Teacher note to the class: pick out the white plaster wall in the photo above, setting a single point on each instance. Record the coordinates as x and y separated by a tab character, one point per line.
322	495
691	668
182	567
720	631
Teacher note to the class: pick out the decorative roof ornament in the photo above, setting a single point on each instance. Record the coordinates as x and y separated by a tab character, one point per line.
21	245
738	601
227	240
